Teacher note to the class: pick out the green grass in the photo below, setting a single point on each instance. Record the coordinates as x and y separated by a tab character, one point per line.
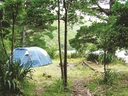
56	89
29	88
119	67
43	85
118	87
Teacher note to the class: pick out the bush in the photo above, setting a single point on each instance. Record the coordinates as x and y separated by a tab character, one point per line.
92	57
11	77
112	76
75	55
52	51
109	58
100	58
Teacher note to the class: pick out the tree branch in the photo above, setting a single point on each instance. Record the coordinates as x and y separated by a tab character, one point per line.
107	12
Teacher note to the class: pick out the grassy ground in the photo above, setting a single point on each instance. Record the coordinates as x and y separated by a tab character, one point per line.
117	84
46	79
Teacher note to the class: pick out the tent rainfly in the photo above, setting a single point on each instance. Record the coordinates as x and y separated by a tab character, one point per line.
32	55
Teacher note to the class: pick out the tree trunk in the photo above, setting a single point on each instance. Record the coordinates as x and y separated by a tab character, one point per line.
12	46
105	67
59	43
23	36
65	47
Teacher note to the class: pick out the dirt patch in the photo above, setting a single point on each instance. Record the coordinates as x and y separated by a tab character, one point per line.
38	91
79	89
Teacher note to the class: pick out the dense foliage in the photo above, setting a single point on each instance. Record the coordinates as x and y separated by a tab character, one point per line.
121	24
11	76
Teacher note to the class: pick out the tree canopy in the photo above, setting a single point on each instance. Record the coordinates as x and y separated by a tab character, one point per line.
114	30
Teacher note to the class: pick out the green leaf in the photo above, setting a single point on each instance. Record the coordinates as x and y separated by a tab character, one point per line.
6	73
14	84
10	73
9	84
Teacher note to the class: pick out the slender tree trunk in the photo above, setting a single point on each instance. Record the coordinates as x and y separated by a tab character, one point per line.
23	36
59	43
105	62
12	46
65	47
105	67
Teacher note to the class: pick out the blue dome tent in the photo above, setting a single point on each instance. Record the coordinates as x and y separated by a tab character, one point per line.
32	55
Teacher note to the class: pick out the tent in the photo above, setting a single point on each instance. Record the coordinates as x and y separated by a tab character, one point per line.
32	55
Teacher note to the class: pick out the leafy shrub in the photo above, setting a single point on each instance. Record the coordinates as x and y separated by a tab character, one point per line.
100	57
3	57
92	57
112	76
52	51
21	70
109	58
75	55
11	77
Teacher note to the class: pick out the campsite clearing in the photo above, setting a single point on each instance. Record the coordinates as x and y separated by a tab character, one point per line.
81	80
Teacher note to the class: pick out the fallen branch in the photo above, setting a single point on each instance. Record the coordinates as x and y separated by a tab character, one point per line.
89	66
